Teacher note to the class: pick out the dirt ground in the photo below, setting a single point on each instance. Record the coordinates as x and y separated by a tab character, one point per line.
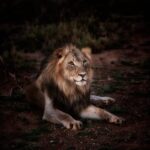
122	74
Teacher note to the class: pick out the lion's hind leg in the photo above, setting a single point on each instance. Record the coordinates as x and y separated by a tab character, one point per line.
93	112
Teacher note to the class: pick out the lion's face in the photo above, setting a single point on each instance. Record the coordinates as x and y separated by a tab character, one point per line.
76	66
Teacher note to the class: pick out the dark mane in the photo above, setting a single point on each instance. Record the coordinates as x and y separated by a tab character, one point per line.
61	102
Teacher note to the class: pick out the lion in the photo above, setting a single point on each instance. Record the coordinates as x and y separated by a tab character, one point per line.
62	89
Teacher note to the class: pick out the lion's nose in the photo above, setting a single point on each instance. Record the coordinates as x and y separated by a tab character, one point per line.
82	74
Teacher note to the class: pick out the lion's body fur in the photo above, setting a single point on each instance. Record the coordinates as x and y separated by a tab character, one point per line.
63	86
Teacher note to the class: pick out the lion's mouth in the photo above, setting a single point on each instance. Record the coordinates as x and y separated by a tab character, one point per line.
81	82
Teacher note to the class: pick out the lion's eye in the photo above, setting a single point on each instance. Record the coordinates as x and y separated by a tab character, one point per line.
71	63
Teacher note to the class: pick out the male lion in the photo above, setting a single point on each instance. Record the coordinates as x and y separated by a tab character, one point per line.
63	89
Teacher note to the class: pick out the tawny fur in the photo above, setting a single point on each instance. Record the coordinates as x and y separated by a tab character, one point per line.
63	89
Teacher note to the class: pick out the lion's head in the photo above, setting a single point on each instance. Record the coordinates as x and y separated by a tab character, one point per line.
70	68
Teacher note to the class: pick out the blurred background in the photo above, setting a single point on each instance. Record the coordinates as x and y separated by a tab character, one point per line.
29	25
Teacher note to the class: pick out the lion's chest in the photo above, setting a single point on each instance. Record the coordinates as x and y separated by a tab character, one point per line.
73	108
66	104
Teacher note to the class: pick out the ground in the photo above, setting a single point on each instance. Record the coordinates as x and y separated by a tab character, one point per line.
120	73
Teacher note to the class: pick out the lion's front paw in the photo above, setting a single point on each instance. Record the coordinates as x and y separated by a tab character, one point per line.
116	120
73	124
104	99
108	100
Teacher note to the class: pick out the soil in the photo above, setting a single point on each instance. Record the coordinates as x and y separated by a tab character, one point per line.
119	73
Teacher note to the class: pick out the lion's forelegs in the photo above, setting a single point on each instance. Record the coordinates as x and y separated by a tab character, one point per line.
106	100
57	116
94	112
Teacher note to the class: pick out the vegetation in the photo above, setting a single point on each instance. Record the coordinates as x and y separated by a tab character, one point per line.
100	35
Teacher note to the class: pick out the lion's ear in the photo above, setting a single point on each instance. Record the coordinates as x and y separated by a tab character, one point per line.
59	52
87	52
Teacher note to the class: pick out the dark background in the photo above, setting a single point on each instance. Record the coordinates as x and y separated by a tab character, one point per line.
82	22
46	11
